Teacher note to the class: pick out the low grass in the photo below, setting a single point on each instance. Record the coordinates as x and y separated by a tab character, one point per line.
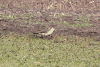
82	24
74	51
79	21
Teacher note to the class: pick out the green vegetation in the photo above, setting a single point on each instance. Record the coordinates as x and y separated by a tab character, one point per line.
60	51
11	17
83	24
1	5
27	17
23	18
79	21
28	52
78	24
69	51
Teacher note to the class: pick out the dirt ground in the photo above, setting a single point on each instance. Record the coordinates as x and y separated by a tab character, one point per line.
47	9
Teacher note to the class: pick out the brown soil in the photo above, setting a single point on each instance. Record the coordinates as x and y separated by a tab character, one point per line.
73	9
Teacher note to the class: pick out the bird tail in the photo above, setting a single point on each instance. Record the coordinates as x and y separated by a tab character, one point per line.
35	33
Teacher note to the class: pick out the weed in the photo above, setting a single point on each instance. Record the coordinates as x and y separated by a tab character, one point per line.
37	22
73	51
1	6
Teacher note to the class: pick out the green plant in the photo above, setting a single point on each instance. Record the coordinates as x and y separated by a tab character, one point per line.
63	51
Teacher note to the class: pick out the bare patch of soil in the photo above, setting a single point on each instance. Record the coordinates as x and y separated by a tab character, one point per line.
46	18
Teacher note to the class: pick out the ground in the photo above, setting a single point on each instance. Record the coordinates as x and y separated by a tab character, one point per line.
75	41
27	20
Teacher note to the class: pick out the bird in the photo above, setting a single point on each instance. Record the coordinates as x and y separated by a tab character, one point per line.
46	33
